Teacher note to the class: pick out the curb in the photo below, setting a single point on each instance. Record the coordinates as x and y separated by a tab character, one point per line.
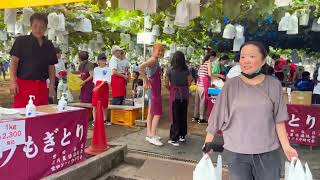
93	167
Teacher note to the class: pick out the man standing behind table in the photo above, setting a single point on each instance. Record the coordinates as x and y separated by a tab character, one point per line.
118	78
32	62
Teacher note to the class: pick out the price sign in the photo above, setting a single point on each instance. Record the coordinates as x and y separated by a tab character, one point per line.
12	133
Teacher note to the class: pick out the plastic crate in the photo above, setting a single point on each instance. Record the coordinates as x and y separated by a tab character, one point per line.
124	117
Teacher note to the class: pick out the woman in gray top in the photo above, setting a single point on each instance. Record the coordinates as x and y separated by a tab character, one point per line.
251	113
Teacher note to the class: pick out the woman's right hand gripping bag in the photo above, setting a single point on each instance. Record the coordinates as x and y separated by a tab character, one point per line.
295	171
206	171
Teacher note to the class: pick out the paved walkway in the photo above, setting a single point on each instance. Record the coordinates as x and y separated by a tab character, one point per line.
191	149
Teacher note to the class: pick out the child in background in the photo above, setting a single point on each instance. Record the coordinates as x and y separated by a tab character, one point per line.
136	82
101	79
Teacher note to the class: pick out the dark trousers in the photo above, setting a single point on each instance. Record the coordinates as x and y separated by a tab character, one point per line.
265	166
117	100
315	99
179	119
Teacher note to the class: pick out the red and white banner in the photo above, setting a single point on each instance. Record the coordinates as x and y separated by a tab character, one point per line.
303	125
36	147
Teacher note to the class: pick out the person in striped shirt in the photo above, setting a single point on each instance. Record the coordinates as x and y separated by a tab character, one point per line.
203	83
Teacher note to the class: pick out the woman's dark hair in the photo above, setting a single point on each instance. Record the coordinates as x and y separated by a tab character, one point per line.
267	69
305	75
83	55
212	53
236	58
178	61
259	45
224	57
208	55
39	16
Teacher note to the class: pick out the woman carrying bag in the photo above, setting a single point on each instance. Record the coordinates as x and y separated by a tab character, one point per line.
251	113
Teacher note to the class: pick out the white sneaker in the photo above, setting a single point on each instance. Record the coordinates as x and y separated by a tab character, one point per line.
182	139
107	123
155	141
157	137
148	138
174	143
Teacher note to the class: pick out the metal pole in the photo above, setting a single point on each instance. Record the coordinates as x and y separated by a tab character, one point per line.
144	57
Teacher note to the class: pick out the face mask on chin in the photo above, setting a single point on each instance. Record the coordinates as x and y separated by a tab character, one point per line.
253	75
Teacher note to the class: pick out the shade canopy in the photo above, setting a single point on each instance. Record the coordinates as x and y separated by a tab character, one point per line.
31	3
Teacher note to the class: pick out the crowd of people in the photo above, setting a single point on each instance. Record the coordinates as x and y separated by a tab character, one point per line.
250	110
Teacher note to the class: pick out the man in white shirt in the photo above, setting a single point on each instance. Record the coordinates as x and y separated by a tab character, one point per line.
118	78
235	70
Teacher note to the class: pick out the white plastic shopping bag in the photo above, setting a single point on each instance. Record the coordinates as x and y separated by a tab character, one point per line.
206	171
295	171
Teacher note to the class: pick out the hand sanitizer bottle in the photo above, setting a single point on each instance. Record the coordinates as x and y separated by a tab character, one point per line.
62	104
30	108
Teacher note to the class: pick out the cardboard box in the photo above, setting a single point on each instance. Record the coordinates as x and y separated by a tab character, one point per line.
301	97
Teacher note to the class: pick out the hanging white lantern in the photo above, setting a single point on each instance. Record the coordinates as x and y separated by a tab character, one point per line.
293	25
51	34
131	45
59	39
193	1
315	26
84	25
194	10
125	23
182	14
304	19
26	14
126	4
91	45
65	40
237	43
190	50
229	32
10	16
216	27
125	37
147	22
239	31
284	22
53	20
173	48
146	6
99	38
11	28
62	23
19	29
168	26
3	36
282	3
156	30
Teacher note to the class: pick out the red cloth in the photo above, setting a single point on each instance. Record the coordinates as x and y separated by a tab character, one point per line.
118	86
101	95
38	88
293	68
280	64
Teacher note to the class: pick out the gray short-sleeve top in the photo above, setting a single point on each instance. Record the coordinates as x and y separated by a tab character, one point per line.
152	69
248	115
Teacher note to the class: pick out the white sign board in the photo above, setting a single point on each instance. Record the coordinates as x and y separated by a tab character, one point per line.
145	38
12	133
